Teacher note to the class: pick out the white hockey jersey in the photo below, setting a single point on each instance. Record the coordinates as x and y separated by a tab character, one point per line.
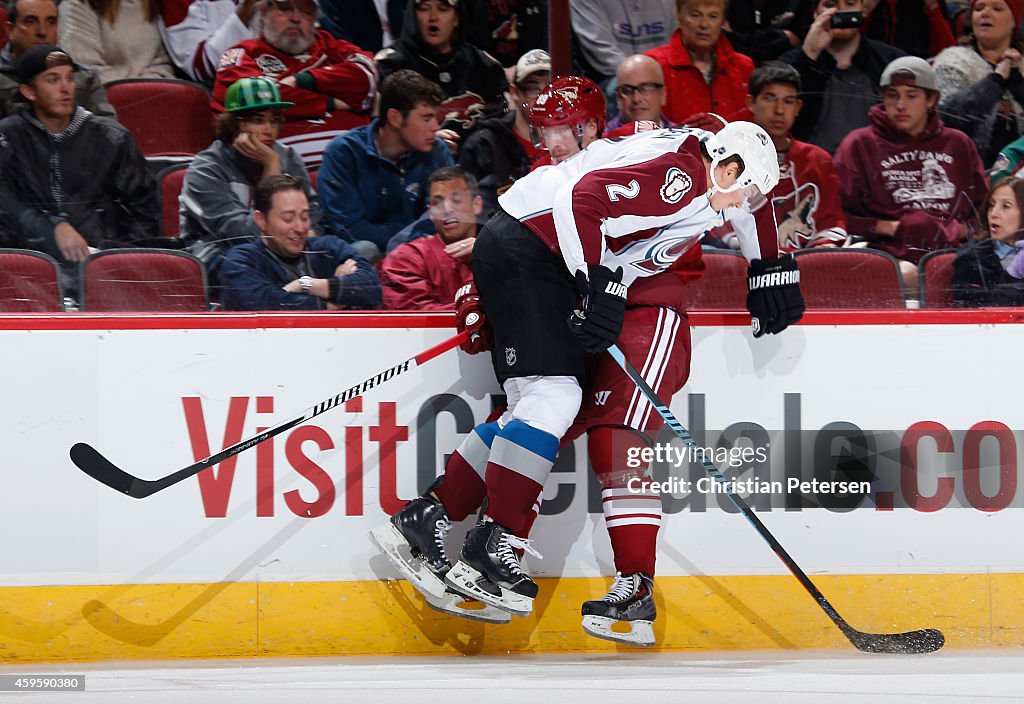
639	202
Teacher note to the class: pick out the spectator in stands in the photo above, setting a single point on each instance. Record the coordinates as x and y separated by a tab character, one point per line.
425	273
764	30
910	184
840	70
899	23
639	92
72	182
981	82
989	271
289	270
373	181
703	73
609	30
217	194
435	44
808	203
501	149
196	33
32	23
118	39
330	82
515	27
368	24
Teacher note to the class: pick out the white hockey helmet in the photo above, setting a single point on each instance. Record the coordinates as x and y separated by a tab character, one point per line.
754	146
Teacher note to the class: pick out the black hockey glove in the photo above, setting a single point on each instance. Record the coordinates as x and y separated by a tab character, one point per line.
598	322
774	299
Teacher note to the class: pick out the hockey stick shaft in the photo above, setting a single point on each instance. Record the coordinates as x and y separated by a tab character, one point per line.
90	461
913	642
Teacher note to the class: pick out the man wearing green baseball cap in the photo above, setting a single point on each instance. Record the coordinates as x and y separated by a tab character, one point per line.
216	197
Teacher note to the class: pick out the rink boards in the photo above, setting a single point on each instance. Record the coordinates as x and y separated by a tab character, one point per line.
267	555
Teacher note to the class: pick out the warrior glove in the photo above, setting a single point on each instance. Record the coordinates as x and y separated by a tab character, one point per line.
774	299
598	321
469	317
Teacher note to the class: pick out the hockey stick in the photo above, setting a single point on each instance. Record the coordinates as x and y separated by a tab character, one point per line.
90	461
912	642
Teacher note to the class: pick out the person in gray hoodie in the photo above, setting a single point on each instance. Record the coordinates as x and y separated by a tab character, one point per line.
215	208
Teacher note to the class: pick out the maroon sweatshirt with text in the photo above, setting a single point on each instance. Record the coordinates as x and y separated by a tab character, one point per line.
886	174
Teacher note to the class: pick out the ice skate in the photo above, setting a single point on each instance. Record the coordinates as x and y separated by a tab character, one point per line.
489	569
455	604
413	541
629	603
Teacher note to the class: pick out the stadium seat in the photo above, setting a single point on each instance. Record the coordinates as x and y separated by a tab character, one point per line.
3	25
143	280
935	278
170	180
29	282
850	278
167	116
723	285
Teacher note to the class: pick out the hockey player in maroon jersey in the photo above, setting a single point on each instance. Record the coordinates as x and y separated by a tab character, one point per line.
570	240
568	115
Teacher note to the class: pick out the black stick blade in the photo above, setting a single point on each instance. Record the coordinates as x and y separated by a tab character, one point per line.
87	459
926	640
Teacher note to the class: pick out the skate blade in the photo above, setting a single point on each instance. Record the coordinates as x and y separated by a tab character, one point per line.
393	546
463	607
465	580
640	633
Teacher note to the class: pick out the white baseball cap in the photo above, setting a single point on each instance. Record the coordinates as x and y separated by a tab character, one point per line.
533	61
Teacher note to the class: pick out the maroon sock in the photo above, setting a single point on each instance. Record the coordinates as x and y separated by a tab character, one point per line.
510	498
461	491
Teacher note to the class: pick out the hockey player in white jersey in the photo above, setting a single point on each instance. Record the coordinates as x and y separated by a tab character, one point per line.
568	242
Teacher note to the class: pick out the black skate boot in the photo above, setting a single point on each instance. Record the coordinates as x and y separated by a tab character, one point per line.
413	541
630	601
489	569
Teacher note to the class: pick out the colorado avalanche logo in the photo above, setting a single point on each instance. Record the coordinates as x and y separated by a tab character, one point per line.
463	109
676	185
664	253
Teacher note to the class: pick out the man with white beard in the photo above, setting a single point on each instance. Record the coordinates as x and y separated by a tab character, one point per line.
331	82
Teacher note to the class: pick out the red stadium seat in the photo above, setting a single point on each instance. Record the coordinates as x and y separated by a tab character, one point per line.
935	278
723	285
3	25
29	282
170	180
850	278
143	280
167	116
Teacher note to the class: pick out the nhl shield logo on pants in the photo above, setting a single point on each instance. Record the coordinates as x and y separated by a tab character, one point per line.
510	356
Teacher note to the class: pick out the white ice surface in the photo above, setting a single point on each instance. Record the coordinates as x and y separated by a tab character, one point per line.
647	678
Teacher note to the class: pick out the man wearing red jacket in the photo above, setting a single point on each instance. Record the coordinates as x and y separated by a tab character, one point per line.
425	273
331	82
703	73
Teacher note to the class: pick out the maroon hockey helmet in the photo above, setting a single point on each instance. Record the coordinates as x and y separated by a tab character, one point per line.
570	101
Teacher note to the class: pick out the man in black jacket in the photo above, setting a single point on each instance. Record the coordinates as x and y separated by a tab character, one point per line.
840	70
72	182
34	22
501	149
